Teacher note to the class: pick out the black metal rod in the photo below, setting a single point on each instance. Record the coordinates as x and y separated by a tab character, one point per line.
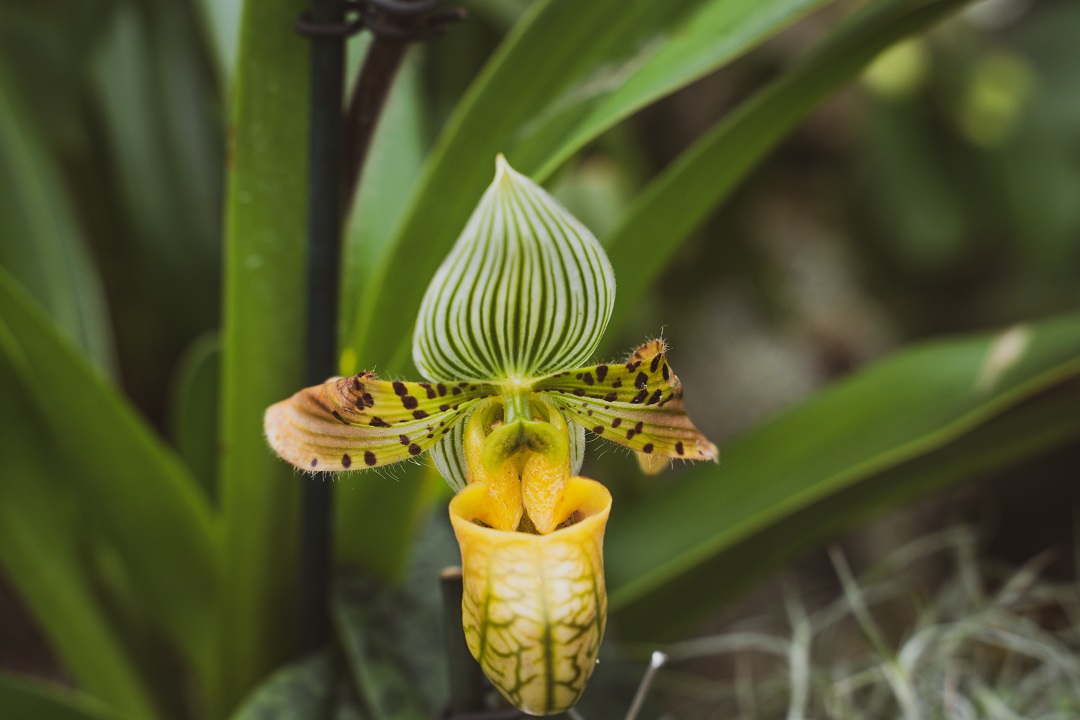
325	194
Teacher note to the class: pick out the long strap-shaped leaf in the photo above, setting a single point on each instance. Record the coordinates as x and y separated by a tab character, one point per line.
262	341
526	290
894	412
672	206
141	495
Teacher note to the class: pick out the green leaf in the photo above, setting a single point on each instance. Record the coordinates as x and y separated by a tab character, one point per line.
43	554
388	648
572	93
145	501
677	202
525	291
903	408
307	689
262	341
158	129
1037	426
40	242
195	410
23	697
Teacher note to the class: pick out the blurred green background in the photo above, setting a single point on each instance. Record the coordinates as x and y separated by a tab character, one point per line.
834	211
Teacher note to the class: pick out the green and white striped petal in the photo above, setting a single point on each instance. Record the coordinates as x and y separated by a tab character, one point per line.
525	291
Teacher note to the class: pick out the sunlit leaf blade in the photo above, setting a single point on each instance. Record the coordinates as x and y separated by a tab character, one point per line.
361	422
1038	426
262	342
679	200
637	404
905	407
525	291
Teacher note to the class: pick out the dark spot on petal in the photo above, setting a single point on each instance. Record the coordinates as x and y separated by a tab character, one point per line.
679	447
441	388
444	408
640	397
457	390
428	389
589	413
399	388
630	434
430	436
578	376
641	380
419	414
346	461
601	373
632	366
314	462
654	364
404	439
617	383
616	422
357	385
638	428
339	418
415	449
611	397
648	448
599	429
368	400
409	402
463	384
654	398
665	371
579	392
369	458
378	422
588	378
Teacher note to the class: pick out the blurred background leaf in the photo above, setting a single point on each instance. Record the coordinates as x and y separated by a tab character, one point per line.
262	343
910	405
28	698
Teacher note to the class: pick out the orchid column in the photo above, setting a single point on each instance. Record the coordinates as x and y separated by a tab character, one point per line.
515	310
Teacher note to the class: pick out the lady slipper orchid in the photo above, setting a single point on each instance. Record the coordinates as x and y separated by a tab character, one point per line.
506	325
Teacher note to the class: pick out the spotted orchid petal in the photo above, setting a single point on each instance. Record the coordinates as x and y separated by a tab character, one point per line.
361	421
637	403
525	291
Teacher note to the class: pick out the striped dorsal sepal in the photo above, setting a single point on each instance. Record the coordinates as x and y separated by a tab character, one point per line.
361	422
525	291
637	403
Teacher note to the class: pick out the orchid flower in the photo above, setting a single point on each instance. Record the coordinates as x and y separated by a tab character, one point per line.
505	329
